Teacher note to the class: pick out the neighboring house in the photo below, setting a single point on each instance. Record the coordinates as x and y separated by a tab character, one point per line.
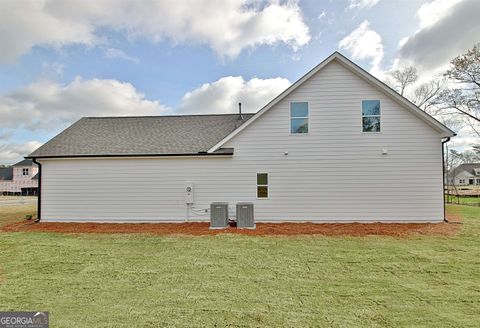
336	146
465	174
19	179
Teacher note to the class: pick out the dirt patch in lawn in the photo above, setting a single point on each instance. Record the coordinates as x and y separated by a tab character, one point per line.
262	229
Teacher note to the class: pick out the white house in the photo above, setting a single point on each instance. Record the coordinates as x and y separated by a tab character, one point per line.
336	146
467	174
20	178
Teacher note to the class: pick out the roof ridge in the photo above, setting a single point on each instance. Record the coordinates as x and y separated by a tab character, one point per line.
149	116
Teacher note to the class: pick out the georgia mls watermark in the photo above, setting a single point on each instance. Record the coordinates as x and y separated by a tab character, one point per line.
23	319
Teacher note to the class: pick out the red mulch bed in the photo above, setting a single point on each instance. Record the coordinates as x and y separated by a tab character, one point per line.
263	229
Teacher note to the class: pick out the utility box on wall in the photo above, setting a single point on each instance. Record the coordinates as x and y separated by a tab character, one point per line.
218	215
245	216
189	188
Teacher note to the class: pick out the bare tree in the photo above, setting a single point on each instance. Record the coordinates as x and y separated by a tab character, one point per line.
464	72
454	159
457	105
476	150
467	156
427	95
463	104
466	68
402	78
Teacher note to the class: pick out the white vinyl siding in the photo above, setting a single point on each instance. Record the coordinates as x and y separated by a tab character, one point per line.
337	174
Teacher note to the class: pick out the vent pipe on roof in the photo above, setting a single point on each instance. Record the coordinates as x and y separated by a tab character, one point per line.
240	117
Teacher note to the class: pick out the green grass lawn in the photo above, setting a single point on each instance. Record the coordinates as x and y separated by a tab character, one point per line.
15	213
234	280
464	200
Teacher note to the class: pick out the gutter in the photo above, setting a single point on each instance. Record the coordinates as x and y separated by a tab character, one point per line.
443	178
225	152
39	196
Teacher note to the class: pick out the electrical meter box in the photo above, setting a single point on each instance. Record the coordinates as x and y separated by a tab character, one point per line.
189	189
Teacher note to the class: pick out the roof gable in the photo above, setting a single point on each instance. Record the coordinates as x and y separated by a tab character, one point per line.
464	174
470	168
367	77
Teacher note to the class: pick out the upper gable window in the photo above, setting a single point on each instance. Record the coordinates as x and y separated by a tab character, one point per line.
298	117
371	115
25	171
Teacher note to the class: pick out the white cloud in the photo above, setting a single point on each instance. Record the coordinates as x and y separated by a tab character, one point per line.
25	24
431	12
361	4
227	26
402	41
464	139
364	43
11	153
223	95
114	53
447	29
49	106
46	104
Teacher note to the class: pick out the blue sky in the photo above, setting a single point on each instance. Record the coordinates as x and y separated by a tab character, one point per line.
73	58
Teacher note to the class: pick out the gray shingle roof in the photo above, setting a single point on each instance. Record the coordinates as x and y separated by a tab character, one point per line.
25	162
469	167
141	135
6	173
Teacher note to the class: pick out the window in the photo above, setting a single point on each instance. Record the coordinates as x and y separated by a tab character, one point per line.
262	185
298	117
478	181
25	171
371	115
470	181
461	181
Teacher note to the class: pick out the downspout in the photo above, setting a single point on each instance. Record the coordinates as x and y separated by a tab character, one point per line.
39	197
443	178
